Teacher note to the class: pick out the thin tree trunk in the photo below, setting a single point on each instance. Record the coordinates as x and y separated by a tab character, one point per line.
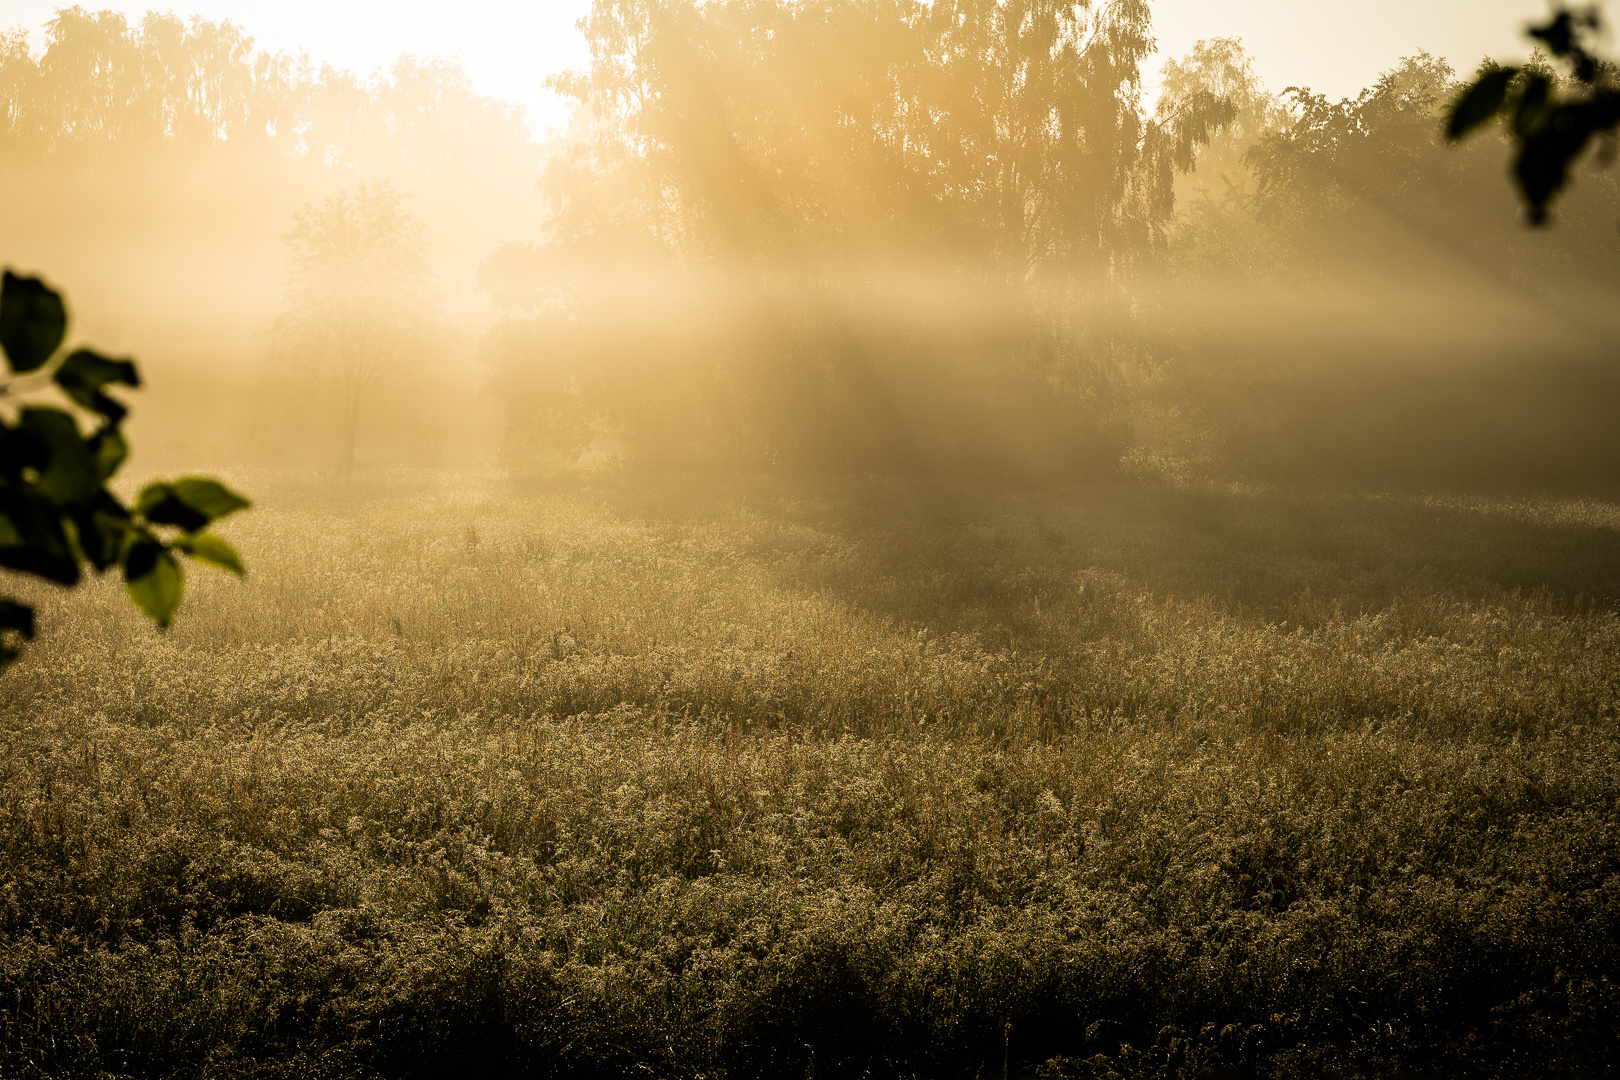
351	424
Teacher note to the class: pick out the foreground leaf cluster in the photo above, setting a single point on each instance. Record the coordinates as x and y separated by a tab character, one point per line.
55	510
1551	119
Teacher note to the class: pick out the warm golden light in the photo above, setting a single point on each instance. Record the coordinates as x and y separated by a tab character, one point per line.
837	539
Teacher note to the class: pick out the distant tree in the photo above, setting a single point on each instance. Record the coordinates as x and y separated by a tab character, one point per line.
1215	225
1338	174
1552	118
819	158
357	300
1005	136
102	84
1379	147
1220	69
55	510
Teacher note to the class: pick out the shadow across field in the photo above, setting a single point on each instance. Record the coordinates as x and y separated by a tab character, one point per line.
1013	613
956	556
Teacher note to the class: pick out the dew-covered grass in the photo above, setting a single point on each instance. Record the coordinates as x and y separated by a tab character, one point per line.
827	778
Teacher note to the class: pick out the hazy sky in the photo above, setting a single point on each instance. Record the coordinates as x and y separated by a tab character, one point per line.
509	47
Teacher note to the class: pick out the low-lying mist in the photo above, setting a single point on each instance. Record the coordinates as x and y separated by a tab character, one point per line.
881	260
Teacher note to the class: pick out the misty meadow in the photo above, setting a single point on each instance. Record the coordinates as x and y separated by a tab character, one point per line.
879	550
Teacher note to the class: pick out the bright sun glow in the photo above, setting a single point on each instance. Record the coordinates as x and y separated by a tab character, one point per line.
510	48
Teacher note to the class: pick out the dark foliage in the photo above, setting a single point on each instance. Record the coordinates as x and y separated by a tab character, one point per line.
1552	120
55	509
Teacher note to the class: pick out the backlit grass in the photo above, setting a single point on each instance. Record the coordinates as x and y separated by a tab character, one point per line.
827	779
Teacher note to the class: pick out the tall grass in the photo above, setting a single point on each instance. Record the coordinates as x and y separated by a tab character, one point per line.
828	779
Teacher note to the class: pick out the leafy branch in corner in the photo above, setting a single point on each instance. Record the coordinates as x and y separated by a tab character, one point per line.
1551	119
56	513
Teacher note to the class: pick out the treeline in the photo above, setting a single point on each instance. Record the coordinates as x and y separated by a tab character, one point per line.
862	235
153	168
946	236
101	85
1351	296
856	235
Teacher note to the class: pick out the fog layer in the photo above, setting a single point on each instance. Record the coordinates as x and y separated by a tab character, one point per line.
853	237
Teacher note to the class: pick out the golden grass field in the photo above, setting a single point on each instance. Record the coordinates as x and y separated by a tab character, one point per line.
827	778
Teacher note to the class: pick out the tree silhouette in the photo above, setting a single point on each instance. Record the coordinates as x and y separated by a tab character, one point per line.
102	84
1335	175
1003	136
356	300
793	166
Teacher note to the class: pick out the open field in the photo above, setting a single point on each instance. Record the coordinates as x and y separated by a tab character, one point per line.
827	779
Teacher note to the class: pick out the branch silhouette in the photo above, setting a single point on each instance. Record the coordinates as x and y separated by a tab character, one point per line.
1551	117
56	513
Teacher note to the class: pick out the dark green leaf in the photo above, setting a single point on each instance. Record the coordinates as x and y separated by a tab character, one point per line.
190	503
84	375
110	450
73	475
153	580
1480	103
211	549
21	451
32	322
1528	117
160	504
18	619
1558	34
1542	167
101	531
209	497
39	544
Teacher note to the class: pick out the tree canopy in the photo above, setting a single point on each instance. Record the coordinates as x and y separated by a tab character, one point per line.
995	134
1330	179
882	215
102	85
